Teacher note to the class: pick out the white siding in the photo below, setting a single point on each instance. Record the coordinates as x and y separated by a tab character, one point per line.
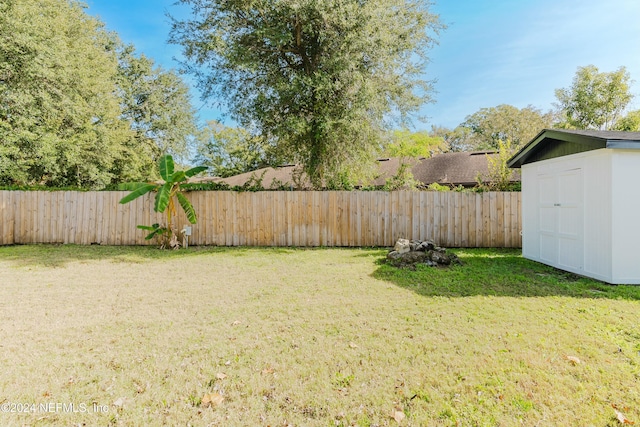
566	223
530	219
597	218
626	216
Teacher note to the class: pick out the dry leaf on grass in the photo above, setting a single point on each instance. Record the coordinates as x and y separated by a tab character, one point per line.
574	360
221	375
212	400
623	420
398	415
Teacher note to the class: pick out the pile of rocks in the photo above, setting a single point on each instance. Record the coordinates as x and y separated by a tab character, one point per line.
409	253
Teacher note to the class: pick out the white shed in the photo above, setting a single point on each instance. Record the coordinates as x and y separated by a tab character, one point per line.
581	202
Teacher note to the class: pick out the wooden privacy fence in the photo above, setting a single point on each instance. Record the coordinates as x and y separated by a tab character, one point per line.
270	218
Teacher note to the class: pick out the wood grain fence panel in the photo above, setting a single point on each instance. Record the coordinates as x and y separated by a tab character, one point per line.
277	218
57	215
446	224
201	206
82	220
329	212
368	213
344	218
205	232
32	208
406	210
435	216
5	213
470	220
315	217
30	217
92	215
21	231
382	208
492	220
224	222
267	220
213	229
415	214
486	220
230	220
28	229
387	220
7	217
283	217
378	220
463	220
457	227
110	212
501	220
231	232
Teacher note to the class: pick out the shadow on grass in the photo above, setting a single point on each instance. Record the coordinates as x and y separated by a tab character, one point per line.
48	255
60	255
500	272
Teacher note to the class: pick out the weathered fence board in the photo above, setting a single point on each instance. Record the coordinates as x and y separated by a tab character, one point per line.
286	218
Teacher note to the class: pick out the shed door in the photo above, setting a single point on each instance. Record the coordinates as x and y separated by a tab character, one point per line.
561	218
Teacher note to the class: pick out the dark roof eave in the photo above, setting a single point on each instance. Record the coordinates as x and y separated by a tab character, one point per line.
597	141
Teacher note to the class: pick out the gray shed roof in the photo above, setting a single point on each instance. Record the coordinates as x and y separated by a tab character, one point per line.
551	143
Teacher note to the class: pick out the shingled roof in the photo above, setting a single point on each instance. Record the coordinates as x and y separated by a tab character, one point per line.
453	169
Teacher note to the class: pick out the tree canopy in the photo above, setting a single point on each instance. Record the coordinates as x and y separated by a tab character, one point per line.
595	100
156	105
59	115
405	143
630	122
230	150
322	79
77	108
488	126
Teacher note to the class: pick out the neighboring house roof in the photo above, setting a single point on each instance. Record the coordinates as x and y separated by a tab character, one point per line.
455	168
271	177
551	143
459	168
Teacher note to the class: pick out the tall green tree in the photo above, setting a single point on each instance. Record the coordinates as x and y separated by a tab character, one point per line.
458	139
595	100
77	107
231	150
486	128
156	105
323	79
405	143
630	122
59	114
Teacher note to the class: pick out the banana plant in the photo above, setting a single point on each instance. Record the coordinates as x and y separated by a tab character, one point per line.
166	194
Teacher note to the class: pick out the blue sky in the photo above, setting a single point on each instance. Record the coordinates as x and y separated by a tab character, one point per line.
493	52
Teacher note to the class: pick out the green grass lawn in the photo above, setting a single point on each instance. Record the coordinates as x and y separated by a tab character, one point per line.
323	337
